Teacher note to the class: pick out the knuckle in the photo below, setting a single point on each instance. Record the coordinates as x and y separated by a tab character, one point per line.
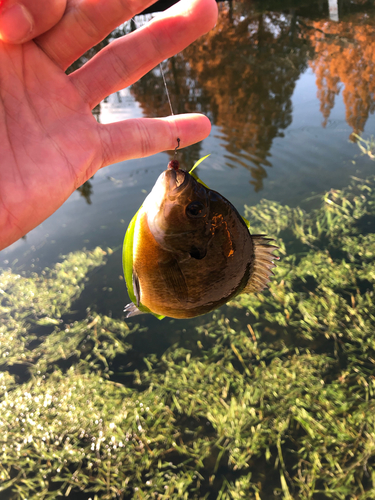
145	139
117	63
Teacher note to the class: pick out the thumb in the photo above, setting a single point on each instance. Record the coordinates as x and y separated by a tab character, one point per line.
21	21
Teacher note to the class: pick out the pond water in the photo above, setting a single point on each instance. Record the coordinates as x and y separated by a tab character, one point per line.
285	85
283	100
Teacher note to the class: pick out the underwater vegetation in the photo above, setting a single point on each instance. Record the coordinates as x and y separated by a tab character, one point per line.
272	397
367	146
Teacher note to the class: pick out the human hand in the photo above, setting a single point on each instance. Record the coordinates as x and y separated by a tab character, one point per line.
50	143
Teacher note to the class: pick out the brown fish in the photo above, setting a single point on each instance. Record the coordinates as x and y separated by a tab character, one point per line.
188	251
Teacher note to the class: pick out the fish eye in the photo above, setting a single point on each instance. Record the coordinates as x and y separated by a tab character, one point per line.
195	209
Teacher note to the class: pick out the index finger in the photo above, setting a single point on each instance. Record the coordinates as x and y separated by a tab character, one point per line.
128	58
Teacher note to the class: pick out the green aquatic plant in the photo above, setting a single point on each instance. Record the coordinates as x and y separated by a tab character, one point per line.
367	146
39	300
271	396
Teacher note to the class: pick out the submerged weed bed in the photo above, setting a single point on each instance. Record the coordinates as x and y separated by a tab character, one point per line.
276	399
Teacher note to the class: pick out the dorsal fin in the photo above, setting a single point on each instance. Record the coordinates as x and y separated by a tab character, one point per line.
263	264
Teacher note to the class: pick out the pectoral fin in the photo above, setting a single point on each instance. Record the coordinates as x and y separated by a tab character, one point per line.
136	288
174	279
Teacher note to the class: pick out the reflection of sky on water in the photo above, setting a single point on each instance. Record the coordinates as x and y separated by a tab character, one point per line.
119	106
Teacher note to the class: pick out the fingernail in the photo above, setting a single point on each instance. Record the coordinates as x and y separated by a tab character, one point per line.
15	24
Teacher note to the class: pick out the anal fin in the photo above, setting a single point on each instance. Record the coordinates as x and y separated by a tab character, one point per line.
132	310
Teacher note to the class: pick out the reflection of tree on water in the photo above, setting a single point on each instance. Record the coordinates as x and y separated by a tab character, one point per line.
248	67
242	74
345	56
86	191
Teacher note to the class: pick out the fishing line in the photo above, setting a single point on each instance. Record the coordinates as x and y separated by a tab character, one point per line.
168	97
170	105
167	92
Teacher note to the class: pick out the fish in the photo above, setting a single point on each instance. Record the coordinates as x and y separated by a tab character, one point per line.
188	251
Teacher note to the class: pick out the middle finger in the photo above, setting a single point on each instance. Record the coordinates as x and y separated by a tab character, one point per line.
84	24
126	60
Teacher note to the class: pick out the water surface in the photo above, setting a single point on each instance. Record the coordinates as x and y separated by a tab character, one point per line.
284	89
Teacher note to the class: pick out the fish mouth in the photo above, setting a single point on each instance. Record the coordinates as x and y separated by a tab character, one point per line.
176	180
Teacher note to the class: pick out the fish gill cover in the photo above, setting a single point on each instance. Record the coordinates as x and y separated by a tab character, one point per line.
283	406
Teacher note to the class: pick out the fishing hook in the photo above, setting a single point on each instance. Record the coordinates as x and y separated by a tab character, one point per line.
175	149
